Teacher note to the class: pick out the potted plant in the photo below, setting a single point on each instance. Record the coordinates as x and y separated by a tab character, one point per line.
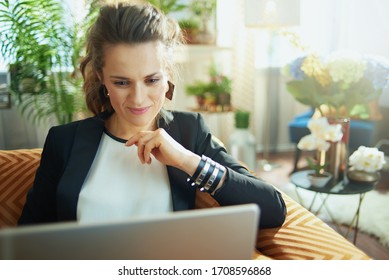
221	86
42	49
198	89
322	134
216	94
365	163
242	119
204	10
319	177
190	29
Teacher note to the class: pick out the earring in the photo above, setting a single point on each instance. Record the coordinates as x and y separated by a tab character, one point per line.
169	93
105	91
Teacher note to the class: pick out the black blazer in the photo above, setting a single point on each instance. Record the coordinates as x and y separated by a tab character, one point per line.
70	149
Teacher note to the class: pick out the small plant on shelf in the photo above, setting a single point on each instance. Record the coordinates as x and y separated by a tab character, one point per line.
198	89
242	119
204	10
190	28
215	94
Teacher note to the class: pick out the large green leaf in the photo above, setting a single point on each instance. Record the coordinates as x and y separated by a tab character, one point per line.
304	91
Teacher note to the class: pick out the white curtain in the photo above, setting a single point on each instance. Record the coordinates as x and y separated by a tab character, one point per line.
361	25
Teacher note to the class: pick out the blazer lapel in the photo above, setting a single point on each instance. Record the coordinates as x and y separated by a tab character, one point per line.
86	143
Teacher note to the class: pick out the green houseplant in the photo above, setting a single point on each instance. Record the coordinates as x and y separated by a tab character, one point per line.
190	28
323	136
242	119
42	48
204	10
168	6
215	92
199	90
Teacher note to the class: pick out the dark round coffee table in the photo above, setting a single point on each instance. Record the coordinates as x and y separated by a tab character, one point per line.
344	187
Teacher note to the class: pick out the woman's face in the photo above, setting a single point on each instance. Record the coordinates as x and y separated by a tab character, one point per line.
136	79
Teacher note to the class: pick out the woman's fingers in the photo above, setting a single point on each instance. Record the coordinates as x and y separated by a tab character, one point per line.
164	149
147	145
146	141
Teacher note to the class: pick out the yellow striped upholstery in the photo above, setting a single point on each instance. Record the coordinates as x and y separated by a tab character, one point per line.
303	236
17	173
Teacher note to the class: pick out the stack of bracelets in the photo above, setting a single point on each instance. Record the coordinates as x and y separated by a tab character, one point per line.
207	175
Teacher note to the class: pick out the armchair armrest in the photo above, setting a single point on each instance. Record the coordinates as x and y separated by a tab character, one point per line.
303	236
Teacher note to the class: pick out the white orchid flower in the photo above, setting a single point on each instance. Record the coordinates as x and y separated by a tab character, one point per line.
311	142
333	133
318	127
322	129
322	145
367	159
307	143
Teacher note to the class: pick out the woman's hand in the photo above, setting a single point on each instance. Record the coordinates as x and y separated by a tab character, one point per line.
165	149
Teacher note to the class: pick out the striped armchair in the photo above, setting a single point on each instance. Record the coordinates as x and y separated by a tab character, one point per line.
302	237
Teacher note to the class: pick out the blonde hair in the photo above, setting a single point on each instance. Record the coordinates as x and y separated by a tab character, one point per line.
129	23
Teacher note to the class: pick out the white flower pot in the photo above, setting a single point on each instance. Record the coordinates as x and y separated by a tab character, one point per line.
319	181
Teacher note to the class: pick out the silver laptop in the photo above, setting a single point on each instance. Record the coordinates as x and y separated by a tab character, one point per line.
214	233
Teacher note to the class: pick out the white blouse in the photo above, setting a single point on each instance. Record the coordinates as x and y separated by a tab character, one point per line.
119	186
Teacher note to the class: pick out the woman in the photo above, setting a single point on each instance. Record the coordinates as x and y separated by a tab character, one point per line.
133	157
